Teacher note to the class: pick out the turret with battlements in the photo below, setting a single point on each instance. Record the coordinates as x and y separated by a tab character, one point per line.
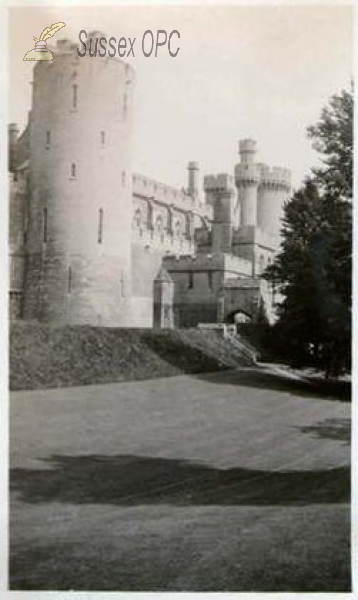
247	180
220	192
79	234
273	191
261	190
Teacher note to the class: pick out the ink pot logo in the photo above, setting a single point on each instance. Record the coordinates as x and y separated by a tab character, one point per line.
41	52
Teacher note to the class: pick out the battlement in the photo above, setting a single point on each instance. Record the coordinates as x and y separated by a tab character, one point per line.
274	176
151	189
253	234
193	165
228	263
247	146
223	182
66	48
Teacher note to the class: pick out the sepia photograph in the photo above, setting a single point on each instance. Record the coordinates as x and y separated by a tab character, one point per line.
179	313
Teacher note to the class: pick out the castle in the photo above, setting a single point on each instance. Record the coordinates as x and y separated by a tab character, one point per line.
91	242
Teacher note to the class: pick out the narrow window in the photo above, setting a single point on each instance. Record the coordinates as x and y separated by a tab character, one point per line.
159	224
45	225
191	280
103	138
138	218
48	138
123	178
100	226
210	280
69	280
74	95
73	170
125	106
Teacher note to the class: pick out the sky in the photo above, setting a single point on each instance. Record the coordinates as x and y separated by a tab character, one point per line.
263	72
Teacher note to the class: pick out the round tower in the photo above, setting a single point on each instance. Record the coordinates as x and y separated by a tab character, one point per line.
247	179
274	190
79	233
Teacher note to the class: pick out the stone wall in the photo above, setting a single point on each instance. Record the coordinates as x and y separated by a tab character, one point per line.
198	283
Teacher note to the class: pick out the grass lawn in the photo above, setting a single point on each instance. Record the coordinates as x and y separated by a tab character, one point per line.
234	481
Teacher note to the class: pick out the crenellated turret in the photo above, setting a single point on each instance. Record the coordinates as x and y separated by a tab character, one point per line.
220	192
262	190
247	179
276	177
80	146
274	190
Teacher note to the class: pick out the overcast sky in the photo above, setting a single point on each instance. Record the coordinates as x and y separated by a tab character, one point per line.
261	72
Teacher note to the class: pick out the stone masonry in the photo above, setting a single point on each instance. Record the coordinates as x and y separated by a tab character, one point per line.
92	242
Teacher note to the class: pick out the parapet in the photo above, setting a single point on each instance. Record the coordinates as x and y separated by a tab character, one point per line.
193	165
275	177
223	182
247	146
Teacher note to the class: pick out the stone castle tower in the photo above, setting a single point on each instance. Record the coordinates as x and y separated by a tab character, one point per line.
79	216
91	242
261	190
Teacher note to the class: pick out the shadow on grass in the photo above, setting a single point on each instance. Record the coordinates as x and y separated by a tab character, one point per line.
333	429
258	377
246	374
128	480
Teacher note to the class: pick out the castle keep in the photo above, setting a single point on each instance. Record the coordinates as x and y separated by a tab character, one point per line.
91	242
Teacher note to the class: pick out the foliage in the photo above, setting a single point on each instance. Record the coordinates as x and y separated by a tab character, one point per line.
333	138
312	272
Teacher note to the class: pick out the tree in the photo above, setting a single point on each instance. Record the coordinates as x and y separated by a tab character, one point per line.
313	269
332	137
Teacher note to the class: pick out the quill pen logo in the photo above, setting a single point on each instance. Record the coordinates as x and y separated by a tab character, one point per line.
41	52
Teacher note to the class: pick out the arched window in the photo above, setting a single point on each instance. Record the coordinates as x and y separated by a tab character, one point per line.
73	170
103	138
48	138
69	280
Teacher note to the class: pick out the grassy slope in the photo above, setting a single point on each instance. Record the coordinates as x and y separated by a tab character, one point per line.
44	357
